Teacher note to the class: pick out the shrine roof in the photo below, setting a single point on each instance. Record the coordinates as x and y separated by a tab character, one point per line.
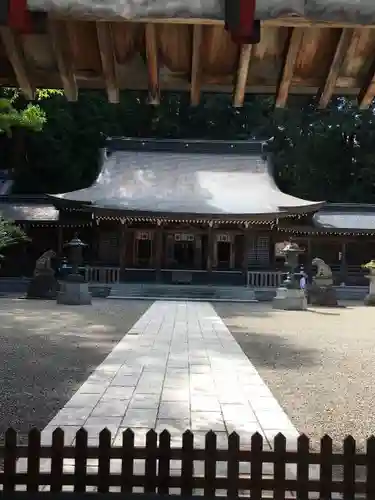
198	178
356	217
27	209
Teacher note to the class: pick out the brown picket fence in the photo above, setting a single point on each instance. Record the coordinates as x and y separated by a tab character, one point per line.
297	472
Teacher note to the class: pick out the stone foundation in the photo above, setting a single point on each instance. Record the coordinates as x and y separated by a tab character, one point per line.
322	296
288	299
74	294
42	286
369	300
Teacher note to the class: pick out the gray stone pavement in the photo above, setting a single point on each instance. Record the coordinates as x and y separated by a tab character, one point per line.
48	351
177	368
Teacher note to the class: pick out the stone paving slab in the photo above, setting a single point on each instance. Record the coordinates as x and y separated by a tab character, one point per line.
177	368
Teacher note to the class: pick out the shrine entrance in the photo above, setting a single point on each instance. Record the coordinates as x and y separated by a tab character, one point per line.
184	254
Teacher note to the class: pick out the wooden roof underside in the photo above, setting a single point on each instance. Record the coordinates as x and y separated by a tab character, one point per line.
292	58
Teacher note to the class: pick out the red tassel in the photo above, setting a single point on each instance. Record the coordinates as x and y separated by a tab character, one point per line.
19	17
247	13
244	29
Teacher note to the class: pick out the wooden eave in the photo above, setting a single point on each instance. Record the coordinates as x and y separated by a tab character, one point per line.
294	57
309	230
167	218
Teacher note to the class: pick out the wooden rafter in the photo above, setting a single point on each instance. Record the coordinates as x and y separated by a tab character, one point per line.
294	45
152	64
16	57
107	56
241	77
196	69
367	92
342	48
61	46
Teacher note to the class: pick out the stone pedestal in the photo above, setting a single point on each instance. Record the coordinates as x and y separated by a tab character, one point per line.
43	286
370	297
74	293
322	295
290	299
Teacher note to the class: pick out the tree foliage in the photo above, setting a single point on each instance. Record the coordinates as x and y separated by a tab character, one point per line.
318	154
32	117
10	233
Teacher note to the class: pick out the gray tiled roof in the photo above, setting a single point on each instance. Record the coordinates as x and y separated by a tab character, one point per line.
28	212
198	183
355	220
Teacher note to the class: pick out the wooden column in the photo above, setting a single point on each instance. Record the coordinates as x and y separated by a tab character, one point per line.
95	240
60	241
343	267
198	251
122	246
210	249
158	249
246	248
309	251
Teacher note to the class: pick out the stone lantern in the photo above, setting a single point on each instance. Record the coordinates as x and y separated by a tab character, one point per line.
74	290
291	253
290	296
75	257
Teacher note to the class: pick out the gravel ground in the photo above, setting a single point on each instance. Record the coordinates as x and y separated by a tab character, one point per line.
319	364
48	351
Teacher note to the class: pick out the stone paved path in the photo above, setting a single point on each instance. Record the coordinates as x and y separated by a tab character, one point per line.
177	368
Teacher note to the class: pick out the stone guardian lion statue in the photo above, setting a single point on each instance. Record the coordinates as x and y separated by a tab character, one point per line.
321	291
323	273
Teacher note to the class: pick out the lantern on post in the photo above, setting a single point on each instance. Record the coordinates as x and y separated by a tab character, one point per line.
289	295
74	288
75	257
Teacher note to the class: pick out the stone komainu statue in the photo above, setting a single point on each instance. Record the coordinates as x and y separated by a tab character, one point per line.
321	291
43	284
43	264
323	273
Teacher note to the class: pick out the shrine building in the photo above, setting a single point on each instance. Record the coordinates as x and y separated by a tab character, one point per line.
192	211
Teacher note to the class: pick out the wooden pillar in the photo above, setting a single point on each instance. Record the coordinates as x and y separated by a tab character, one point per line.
211	248
198	251
309	251
60	241
122	245
95	239
246	248
158	236
343	267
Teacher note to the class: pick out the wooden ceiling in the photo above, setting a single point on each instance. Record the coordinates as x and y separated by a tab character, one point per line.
294	57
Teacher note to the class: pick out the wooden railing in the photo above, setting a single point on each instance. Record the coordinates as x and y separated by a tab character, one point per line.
101	274
208	471
264	279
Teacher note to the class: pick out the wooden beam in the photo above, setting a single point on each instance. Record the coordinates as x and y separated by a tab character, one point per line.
196	70
107	56
342	48
367	92
61	46
152	64
285	22
15	54
294	45
241	77
367	95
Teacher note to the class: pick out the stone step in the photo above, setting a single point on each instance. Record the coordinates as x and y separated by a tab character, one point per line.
182	292
190	292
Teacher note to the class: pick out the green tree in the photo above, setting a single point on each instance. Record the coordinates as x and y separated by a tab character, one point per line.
10	233
32	117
